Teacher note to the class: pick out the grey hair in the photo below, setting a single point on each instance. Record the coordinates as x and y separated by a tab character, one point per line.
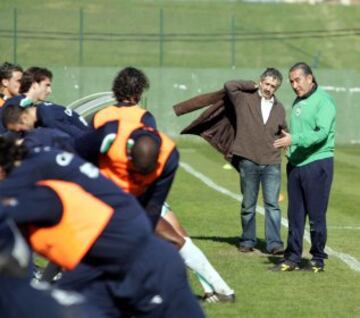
272	72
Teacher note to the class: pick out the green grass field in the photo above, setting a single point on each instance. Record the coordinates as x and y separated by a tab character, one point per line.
213	221
212	218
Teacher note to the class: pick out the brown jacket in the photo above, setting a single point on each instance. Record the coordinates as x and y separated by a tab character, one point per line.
233	122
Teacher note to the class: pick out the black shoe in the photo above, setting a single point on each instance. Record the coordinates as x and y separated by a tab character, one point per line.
285	266
317	267
245	249
277	250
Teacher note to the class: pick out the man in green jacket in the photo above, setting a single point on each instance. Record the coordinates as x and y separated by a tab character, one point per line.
311	144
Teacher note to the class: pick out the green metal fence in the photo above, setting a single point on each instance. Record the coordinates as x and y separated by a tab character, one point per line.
185	50
152	36
75	32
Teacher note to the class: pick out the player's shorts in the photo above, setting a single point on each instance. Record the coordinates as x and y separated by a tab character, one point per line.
157	284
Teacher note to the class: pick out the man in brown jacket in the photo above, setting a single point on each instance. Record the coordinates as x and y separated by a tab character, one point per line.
259	121
242	122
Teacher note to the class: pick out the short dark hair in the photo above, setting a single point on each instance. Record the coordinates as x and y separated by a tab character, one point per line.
11	114
130	82
32	75
272	72
7	69
144	154
10	153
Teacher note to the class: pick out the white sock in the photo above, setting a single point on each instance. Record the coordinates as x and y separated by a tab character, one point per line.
204	284
195	259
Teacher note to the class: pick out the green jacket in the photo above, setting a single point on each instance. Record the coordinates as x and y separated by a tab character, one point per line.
312	128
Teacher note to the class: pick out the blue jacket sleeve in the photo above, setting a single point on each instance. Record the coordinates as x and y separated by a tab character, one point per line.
36	206
90	145
153	199
149	120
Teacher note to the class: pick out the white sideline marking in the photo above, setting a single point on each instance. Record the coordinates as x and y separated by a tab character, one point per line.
352	262
342	89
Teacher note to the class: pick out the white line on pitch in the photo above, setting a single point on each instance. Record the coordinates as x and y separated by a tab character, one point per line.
349	260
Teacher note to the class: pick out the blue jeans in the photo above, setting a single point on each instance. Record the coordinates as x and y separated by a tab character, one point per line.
251	176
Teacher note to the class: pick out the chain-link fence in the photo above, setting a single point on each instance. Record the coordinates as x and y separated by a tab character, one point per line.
185	51
176	36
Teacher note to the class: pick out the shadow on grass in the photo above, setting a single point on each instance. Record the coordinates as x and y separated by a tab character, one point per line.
305	263
260	247
234	241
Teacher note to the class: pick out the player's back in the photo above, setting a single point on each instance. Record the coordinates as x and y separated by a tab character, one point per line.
55	116
133	113
51	137
44	163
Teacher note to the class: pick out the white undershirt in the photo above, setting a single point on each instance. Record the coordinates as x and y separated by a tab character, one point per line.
266	105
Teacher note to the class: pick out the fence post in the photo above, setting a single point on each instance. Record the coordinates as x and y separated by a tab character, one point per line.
15	37
161	38
145	102
81	37
233	42
316	60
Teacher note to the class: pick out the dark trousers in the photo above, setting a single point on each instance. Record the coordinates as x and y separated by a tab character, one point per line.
129	272
155	286
308	194
19	299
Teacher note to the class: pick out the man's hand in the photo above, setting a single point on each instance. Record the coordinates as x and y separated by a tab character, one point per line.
284	141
